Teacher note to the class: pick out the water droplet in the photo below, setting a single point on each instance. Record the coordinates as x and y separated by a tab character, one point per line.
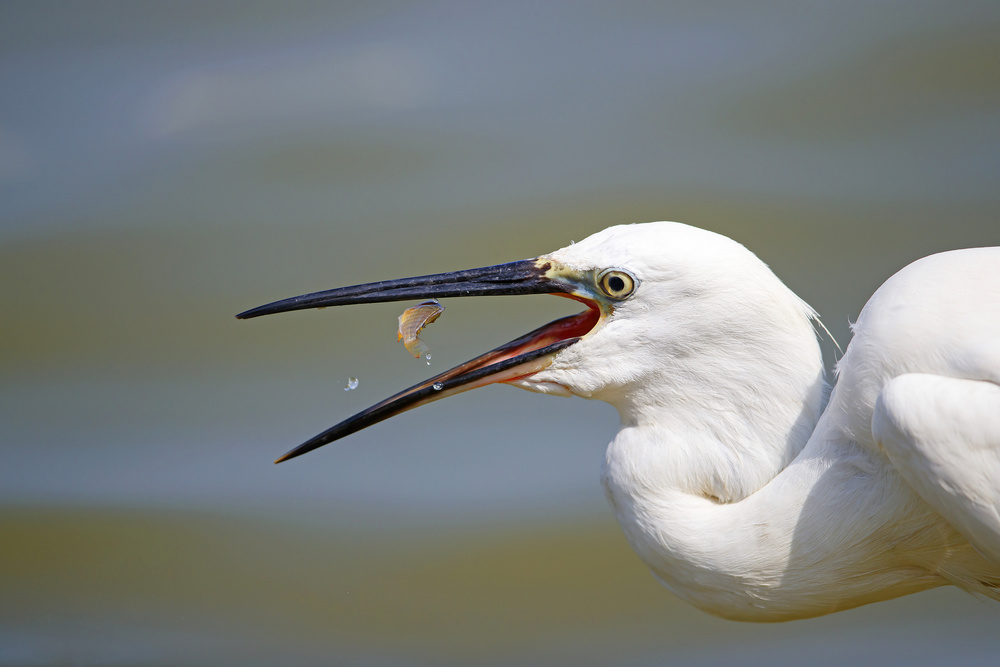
428	358
352	383
438	386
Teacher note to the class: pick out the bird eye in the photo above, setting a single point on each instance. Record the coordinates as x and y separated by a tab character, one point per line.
616	284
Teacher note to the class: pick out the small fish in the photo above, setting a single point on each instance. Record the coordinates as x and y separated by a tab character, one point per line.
412	321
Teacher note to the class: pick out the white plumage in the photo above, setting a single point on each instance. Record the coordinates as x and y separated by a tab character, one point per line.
747	487
744	497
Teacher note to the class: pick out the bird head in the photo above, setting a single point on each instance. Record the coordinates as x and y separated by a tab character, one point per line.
673	314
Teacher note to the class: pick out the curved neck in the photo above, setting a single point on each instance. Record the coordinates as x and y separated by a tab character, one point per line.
747	503
800	546
722	424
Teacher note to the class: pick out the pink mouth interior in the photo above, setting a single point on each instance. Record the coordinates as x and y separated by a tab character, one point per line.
574	326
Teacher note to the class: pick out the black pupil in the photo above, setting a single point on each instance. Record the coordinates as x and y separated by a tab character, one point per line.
616	284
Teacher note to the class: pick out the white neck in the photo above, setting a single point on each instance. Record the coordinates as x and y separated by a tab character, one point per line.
797	534
796	548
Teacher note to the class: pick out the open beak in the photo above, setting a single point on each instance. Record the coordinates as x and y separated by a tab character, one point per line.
517	359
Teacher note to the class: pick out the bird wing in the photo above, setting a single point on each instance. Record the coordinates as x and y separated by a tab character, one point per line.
943	436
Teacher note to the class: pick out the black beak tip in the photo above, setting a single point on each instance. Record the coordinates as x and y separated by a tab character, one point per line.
254	312
314	443
247	314
291	454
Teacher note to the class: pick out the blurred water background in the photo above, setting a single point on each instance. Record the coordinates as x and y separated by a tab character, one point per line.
164	166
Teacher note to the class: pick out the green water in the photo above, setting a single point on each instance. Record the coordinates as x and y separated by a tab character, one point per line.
155	587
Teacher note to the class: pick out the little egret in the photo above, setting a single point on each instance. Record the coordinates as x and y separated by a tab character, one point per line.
747	487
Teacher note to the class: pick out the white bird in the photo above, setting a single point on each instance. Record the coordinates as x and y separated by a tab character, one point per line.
747	487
